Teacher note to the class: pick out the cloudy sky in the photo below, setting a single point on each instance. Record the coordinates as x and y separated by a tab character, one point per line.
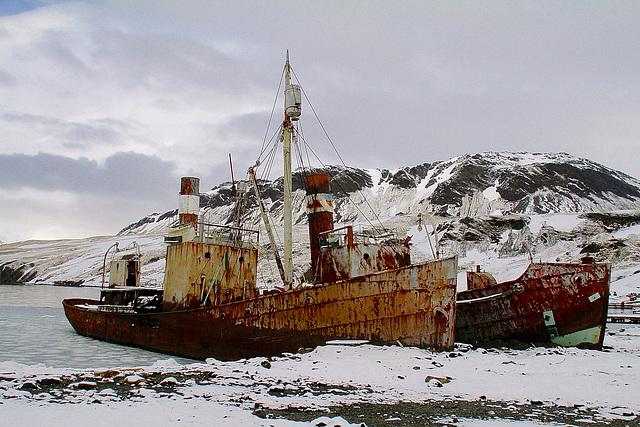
104	104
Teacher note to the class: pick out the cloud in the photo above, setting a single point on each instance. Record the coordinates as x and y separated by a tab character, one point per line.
121	175
64	197
183	84
88	82
74	135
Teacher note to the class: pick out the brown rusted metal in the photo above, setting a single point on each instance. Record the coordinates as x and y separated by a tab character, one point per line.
344	254
189	186
189	201
480	280
200	274
413	306
561	303
320	215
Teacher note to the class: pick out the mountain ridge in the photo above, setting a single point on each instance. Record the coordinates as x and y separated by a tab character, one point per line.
463	186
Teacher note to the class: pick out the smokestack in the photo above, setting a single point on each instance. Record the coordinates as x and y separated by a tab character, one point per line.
189	201
319	213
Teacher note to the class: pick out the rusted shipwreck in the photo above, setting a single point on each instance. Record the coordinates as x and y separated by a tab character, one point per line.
559	303
363	286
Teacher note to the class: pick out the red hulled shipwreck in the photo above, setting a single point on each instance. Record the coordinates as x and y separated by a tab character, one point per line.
364	285
559	303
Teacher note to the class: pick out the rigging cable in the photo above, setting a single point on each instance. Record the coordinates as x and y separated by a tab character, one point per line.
339	157
273	108
348	198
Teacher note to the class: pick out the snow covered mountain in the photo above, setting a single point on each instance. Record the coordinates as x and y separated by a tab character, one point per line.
465	186
494	209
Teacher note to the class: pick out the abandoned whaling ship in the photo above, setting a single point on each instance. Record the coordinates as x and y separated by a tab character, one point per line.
363	287
559	303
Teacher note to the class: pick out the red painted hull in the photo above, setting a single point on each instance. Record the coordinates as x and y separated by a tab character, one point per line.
413	306
559	303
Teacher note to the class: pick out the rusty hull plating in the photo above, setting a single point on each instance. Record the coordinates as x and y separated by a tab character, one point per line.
205	273
560	303
410	306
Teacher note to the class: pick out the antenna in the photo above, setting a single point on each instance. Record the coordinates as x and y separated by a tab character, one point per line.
233	181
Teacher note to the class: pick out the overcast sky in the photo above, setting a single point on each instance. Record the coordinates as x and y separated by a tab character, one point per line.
105	104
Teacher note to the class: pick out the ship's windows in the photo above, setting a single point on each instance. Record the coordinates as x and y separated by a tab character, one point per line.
241	259
366	256
207	255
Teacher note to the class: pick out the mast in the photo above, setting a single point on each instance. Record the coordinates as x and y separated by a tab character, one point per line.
292	111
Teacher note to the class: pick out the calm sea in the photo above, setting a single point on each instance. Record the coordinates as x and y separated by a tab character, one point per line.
34	330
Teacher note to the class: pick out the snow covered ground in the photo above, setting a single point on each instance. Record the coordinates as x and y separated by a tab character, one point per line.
342	385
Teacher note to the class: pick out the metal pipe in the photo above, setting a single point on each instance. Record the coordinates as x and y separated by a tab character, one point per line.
320	215
189	206
104	262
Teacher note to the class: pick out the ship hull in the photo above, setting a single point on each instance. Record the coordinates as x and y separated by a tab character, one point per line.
558	303
412	306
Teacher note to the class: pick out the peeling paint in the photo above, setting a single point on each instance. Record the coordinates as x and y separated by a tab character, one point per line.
549	300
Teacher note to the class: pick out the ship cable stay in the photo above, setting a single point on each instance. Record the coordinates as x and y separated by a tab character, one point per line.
288	137
378	232
266	221
273	108
384	230
266	163
213	282
344	191
289	133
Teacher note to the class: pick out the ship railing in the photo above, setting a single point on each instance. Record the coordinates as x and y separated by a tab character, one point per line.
227	235
150	283
349	235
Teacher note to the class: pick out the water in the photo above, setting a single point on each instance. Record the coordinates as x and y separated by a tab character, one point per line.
34	330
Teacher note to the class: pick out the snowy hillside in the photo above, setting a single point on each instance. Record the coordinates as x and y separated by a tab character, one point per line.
494	209
465	186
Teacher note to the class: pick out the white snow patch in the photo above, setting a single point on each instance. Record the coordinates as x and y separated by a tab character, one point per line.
536	223
491	193
627	232
443	176
563	222
560	222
